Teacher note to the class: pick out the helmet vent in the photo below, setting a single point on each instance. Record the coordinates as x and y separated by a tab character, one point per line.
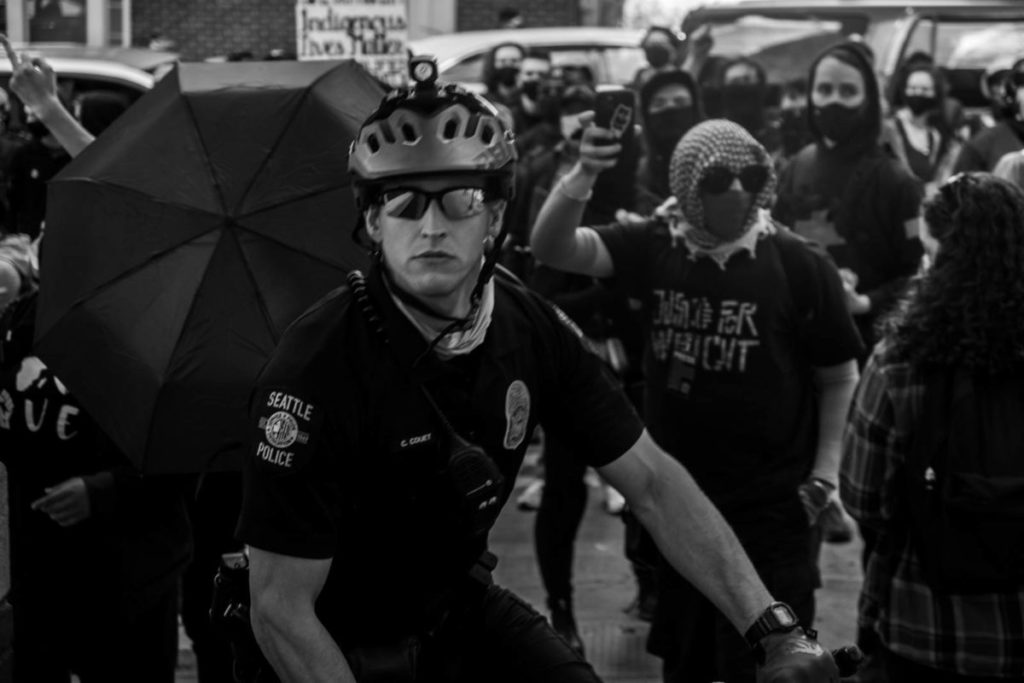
374	143
409	133
450	127
487	134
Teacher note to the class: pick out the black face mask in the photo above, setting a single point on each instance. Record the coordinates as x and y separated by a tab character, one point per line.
658	55
918	104
531	89
669	125
838	123
506	75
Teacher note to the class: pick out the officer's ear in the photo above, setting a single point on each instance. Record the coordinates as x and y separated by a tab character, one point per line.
372	218
496	216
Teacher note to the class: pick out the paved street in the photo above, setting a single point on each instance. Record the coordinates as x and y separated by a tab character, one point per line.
604	586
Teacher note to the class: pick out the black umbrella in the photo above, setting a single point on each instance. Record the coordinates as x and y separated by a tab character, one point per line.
181	244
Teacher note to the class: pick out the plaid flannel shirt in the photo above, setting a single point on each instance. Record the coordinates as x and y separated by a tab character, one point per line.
974	635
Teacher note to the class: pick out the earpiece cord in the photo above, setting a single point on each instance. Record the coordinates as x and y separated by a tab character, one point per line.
357	283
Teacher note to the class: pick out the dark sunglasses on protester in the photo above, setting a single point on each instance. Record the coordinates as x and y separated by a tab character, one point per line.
718	179
410	203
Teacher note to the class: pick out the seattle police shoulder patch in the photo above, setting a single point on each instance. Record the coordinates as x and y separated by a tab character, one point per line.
287	427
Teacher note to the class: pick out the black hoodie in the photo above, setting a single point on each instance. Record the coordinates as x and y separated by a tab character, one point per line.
855	199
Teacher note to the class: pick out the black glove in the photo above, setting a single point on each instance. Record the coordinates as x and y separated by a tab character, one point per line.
796	657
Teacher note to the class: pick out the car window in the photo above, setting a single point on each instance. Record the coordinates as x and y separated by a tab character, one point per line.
608	64
780	46
469	70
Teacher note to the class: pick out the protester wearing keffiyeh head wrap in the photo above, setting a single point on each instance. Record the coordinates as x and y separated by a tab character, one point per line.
721	148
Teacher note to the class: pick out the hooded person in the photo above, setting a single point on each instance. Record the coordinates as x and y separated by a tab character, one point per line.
501	73
670	105
661	48
749	362
849	194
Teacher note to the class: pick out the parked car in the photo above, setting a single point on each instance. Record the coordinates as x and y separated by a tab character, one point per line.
963	36
613	54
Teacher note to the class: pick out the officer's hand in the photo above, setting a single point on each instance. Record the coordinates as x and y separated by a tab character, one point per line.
66	503
598	147
796	657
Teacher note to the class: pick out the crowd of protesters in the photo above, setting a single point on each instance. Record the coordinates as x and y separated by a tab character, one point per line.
773	271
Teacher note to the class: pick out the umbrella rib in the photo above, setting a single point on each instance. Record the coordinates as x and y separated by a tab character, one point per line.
273	148
206	154
134	191
259	298
290	247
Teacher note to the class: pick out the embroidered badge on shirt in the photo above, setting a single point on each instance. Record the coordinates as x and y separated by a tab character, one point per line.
517	414
285	426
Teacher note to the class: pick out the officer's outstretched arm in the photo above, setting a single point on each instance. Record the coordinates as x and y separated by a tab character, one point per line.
284	590
695	538
556	240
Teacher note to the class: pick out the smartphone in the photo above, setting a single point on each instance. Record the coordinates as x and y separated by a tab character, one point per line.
616	111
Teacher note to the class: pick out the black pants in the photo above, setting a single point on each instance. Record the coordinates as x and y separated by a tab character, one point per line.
900	669
213	512
497	638
100	646
561	512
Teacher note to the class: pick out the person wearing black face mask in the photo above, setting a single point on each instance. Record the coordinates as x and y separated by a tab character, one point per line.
911	133
535	114
501	73
670	106
661	48
848	193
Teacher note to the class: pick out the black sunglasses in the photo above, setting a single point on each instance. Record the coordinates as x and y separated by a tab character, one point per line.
718	179
410	203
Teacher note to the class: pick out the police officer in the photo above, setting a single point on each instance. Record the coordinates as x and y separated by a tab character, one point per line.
388	427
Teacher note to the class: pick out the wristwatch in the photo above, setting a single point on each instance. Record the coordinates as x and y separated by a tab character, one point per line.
778	618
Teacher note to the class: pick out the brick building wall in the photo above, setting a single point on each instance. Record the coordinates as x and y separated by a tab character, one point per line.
206	28
475	15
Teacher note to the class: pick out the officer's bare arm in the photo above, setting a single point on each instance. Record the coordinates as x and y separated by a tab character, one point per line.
556	239
691	533
284	591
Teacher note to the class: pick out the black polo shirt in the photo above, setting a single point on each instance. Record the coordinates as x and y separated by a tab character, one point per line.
346	455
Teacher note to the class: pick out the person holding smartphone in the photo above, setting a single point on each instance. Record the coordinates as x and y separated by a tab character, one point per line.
750	364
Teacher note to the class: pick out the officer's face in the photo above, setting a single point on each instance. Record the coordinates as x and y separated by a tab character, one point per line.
439	253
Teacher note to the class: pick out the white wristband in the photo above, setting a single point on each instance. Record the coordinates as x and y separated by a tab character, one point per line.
560	186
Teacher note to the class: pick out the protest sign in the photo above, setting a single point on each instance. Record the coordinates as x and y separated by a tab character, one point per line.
373	32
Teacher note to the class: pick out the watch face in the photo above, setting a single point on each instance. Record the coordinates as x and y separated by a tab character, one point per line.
782	615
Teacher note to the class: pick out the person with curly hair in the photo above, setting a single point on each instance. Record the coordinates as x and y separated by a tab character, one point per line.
963	312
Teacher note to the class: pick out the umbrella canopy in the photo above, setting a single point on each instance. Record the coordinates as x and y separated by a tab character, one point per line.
184	240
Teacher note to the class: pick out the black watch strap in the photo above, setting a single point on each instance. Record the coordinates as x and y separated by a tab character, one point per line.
777	618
